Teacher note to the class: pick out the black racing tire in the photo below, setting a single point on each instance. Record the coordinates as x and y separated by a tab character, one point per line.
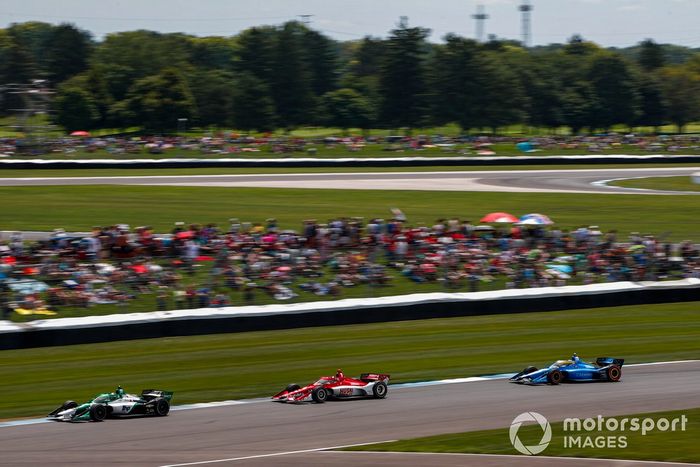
69	405
161	407
529	369
554	377
380	390
98	412
319	395
614	373
292	388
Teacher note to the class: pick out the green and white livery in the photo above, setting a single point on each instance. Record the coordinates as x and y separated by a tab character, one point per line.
115	404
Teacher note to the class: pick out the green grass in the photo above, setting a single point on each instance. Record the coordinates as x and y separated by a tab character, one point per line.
80	207
656	445
14	173
226	366
660	183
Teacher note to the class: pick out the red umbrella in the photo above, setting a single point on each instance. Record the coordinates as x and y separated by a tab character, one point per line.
80	133
185	234
499	218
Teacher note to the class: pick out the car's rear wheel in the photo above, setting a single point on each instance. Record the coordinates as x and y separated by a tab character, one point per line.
292	388
380	390
69	405
98	412
319	395
162	407
554	377
614	373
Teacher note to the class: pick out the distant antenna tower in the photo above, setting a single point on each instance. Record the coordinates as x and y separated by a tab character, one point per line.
525	10
306	19
403	22
480	18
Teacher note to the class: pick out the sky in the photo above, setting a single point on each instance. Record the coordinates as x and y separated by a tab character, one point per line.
618	23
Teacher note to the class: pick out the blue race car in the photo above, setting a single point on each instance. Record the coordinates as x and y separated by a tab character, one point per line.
604	369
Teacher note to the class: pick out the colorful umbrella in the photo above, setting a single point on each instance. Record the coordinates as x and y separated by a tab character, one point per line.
499	218
535	219
80	133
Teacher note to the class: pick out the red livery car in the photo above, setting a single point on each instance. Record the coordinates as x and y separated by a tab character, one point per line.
368	385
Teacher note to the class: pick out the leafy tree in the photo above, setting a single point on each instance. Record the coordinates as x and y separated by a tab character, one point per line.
651	55
253	107
322	61
75	109
68	51
402	79
291	81
254	52
502	97
681	90
578	101
652	110
347	108
159	101
455	82
615	88
33	37
215	53
213	93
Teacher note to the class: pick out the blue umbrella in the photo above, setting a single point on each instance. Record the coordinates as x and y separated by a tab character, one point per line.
535	219
26	286
561	268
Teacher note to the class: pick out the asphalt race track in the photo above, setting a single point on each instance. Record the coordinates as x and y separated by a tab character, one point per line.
572	181
265	433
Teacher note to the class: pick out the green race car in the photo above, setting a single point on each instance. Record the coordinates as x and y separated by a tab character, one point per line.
115	404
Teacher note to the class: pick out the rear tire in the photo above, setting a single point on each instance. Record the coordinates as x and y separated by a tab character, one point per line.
614	373
69	405
554	377
98	412
380	390
161	407
292	388
319	395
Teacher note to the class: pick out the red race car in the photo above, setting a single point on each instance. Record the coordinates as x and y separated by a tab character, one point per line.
371	385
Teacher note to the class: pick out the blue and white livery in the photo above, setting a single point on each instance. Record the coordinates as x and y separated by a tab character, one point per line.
574	370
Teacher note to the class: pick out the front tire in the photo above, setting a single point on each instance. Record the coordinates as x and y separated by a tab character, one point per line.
529	370
554	377
380	390
162	408
292	388
98	412
69	405
319	395
614	374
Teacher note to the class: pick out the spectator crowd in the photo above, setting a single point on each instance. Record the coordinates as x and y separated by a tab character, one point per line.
203	265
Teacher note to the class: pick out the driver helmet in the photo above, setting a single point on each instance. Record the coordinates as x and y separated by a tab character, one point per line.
119	392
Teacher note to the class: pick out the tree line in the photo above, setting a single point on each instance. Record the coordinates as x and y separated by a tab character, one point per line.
287	76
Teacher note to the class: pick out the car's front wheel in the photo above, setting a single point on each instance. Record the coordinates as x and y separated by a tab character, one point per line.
554	377
69	405
319	395
98	412
380	390
292	388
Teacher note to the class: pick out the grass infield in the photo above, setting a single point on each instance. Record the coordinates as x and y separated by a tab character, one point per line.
660	183
230	366
80	207
670	446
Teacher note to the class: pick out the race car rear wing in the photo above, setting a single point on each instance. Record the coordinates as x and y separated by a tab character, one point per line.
375	377
153	393
605	361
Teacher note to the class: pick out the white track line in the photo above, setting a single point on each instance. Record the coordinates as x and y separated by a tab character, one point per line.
604	184
274	454
259	400
513	456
